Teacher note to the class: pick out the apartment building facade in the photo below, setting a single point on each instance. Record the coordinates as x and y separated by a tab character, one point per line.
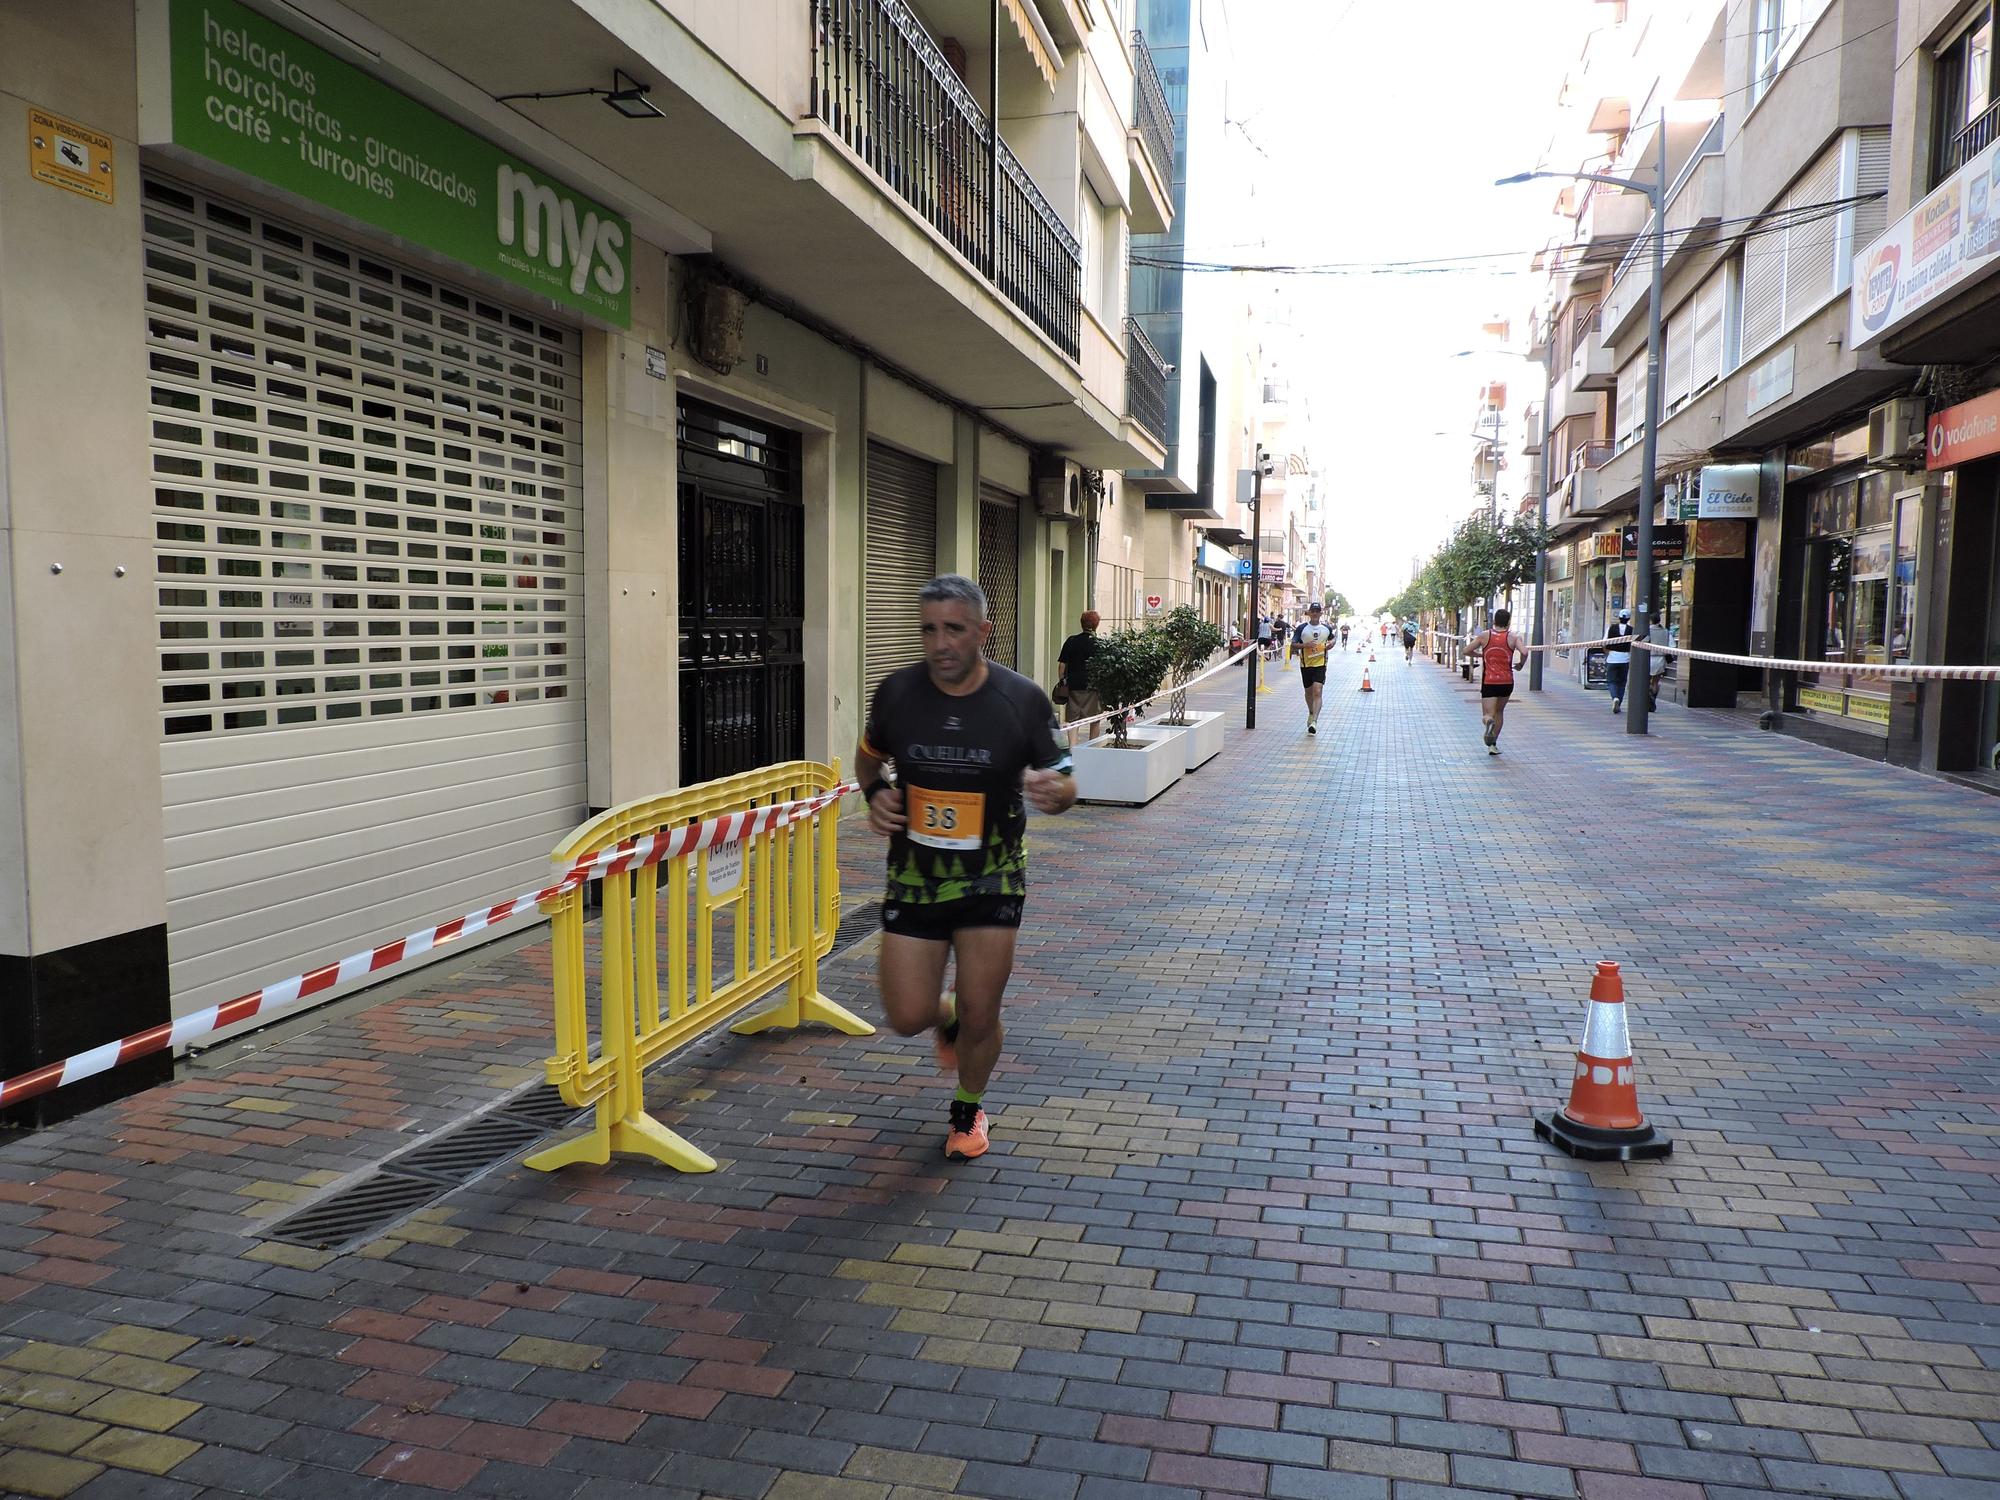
439	453
1777	154
1174	539
1925	300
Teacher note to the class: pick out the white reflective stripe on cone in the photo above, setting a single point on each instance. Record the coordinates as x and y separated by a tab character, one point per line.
1604	1031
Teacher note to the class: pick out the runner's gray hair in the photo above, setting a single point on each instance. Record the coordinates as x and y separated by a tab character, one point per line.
955	588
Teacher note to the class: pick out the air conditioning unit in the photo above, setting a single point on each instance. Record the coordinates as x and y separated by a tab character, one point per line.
1896	431
1058	489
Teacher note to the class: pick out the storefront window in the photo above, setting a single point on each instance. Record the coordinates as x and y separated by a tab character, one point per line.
1903	607
1862	569
1874	555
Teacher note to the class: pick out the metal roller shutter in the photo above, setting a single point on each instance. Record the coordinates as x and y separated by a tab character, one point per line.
368	558
1000	570
901	553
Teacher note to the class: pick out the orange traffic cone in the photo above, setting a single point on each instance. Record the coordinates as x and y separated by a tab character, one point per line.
1602	1120
1371	657
1366	686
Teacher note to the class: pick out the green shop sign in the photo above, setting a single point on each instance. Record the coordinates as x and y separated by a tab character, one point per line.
252	96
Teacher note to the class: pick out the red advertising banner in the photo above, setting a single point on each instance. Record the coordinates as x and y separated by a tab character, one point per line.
1961	433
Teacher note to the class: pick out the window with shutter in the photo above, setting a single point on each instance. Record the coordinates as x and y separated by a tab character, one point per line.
1705	355
1810	239
1631	400
1675	346
1871	175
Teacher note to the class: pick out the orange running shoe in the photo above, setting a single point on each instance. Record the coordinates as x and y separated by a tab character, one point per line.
945	1037
967	1137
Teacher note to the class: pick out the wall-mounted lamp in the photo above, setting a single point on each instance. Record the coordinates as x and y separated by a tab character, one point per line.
630	97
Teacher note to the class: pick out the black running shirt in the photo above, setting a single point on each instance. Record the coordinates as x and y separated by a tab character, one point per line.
959	762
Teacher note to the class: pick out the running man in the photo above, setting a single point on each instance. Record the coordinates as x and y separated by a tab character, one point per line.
968	739
1500	653
1310	645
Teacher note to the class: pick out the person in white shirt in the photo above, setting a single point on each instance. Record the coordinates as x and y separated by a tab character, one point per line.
1311	644
1618	658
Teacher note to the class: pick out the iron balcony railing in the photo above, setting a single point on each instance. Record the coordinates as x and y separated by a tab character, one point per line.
1145	381
1970	141
884	87
1149	108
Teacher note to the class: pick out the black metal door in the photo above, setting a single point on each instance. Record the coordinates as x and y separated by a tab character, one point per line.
742	587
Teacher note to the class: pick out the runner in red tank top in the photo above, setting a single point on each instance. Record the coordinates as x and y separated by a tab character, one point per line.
1499	653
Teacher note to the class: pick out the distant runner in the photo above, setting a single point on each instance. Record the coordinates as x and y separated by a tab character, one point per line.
969	739
1310	645
1409	640
1500	653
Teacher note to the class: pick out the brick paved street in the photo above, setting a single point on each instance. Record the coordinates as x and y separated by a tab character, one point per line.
1264	1215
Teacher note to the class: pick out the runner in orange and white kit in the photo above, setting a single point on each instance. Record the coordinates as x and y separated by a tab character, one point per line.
1310	644
1500	653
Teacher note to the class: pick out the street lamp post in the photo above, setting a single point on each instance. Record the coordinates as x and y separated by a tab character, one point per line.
1656	192
1539	638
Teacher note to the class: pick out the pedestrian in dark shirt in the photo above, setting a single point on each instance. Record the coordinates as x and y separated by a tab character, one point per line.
1074	689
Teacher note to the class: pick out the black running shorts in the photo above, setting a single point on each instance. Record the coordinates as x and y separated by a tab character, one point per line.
1496	690
936	921
1309	676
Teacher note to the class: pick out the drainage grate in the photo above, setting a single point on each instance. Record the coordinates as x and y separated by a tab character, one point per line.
856	925
453	1158
542	1105
373	1204
356	1213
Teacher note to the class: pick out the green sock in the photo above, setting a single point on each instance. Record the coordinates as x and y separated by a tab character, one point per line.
965	1095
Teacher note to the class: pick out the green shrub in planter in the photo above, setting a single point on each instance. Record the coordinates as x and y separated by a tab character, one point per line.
1190	642
1127	669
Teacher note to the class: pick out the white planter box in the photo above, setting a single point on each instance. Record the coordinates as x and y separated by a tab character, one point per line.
1132	777
1203	737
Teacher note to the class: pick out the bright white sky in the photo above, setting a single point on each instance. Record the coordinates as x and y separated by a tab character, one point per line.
1382	127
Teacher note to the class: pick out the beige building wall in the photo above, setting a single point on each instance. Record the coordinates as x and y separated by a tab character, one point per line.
80	798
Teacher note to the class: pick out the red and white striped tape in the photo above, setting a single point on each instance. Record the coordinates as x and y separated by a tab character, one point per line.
1070	729
1888	671
653	849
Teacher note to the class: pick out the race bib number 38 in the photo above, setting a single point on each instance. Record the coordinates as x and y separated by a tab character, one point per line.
947	820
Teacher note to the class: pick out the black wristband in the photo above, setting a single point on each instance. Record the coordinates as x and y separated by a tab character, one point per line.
880	783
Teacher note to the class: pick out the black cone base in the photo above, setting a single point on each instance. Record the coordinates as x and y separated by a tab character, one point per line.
1588	1143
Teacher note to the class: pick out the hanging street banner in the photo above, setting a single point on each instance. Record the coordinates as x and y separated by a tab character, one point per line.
227	85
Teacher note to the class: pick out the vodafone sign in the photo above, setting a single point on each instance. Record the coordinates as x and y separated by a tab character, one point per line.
1959	434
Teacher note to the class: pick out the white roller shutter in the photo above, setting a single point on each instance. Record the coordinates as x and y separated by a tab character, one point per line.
367	497
1000	570
1630	414
1706	355
901	553
1677	340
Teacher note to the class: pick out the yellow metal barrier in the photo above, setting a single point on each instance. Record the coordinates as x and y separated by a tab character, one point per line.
784	904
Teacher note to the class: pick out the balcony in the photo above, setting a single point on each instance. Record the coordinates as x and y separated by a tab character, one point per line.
1581	493
1594	367
1150	145
1967	144
1694	213
881	86
1606	223
1145	382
